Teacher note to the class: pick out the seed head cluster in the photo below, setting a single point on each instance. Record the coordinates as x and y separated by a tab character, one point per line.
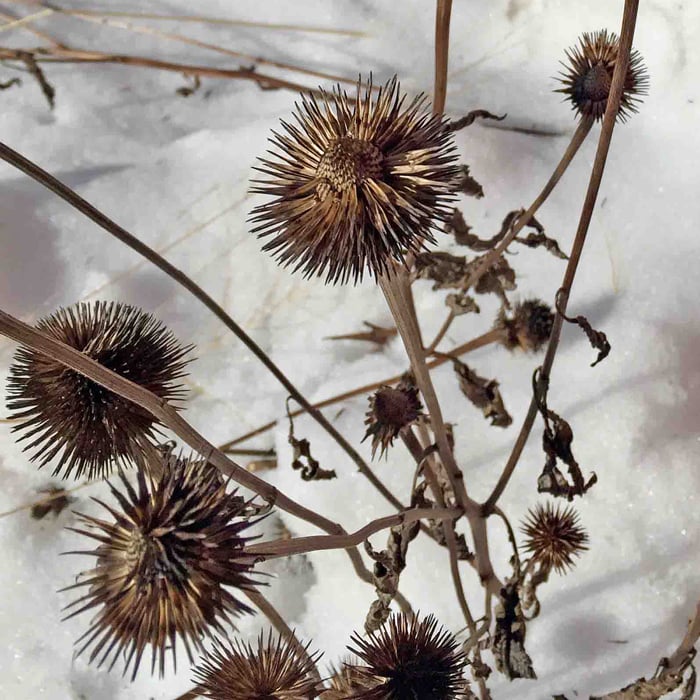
528	327
165	564
554	537
356	182
410	660
67	416
588	76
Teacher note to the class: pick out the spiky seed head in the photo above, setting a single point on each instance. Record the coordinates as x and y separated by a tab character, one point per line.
554	537
66	415
390	411
527	327
347	680
356	183
413	660
166	562
588	76
275	670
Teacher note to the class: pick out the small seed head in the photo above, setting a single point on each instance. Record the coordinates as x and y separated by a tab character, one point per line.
528	327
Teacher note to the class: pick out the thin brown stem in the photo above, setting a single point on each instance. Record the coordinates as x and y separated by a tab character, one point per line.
685	648
442	332
442	46
481	341
626	35
56	186
70	357
318	543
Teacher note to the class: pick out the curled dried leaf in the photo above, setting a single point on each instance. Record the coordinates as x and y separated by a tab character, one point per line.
302	459
461	303
483	393
597	339
447	271
508	644
535	240
461	231
466	184
55	502
471	117
498	279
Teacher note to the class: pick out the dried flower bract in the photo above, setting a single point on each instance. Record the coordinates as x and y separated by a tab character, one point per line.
68	416
163	564
589	71
274	671
412	660
554	537
390	411
357	182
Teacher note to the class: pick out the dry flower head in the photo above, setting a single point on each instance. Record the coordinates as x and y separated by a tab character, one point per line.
554	537
356	183
66	415
275	670
411	660
390	411
588	76
527	327
164	564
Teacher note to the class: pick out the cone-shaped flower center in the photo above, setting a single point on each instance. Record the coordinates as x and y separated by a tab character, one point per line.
596	83
346	163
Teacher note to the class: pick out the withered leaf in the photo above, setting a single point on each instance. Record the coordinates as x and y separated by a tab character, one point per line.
461	231
497	279
483	393
597	339
187	90
301	458
508	645
10	83
535	240
375	334
470	118
447	271
556	443
56	502
467	184
388	565
461	303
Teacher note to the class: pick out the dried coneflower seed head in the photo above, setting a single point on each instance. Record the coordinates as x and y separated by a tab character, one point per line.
356	183
165	565
527	327
588	76
68	416
275	670
391	410
412	660
554	537
347	681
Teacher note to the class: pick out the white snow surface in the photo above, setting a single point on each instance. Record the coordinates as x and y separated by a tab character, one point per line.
175	172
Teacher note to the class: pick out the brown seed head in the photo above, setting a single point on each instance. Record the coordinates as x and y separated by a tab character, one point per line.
588	76
554	537
412	660
164	565
68	416
528	327
391	410
273	671
357	183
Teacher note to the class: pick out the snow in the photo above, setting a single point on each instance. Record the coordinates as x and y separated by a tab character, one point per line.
174	171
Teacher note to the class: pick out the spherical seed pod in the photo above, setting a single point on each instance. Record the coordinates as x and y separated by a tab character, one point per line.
412	660
67	416
356	184
554	537
527	327
588	76
390	411
274	670
168	565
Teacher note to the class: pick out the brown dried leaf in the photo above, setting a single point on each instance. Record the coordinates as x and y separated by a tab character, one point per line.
483	393
447	271
597	339
508	645
535	240
461	303
497	279
9	83
375	334
467	184
461	231
302	460
56	502
470	118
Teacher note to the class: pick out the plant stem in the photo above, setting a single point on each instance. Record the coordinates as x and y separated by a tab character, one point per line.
628	24
481	341
318	543
50	182
442	45
685	648
70	357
